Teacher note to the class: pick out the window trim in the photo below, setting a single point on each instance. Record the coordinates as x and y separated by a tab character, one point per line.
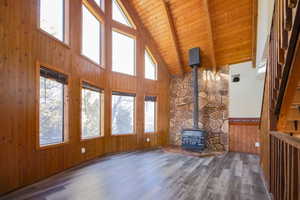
155	62
102	107
66	42
66	108
156	114
92	7
135	52
134	113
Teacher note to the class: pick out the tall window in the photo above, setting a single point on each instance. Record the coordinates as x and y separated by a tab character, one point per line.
150	114
52	107
52	18
91	100
119	15
123	53
123	109
91	34
150	66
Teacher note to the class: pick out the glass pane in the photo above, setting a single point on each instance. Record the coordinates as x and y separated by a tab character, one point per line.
51	112
150	116
150	67
123	53
98	2
52	17
90	113
122	114
118	14
90	35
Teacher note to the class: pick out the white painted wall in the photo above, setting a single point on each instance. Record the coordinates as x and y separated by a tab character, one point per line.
245	97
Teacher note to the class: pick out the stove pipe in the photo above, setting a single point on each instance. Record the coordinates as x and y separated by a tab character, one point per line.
195	62
195	97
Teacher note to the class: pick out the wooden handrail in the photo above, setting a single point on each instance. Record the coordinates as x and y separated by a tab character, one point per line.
293	141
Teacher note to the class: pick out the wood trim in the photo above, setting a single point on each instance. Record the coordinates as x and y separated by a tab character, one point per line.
95	10
293	141
244	121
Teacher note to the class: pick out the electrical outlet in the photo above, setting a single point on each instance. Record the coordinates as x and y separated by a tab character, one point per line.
257	144
148	139
82	150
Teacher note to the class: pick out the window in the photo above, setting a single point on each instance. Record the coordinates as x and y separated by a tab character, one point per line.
123	109
119	15
150	114
52	18
91	100
100	3
150	66
52	107
123	53
91	43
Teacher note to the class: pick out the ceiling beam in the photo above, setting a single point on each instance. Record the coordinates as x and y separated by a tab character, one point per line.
254	31
173	35
210	36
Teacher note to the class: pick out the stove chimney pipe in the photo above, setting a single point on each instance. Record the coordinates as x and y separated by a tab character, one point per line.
195	62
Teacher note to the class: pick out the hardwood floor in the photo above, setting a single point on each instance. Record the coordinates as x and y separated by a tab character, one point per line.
149	175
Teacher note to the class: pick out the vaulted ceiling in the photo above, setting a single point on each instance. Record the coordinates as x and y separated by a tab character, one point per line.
224	30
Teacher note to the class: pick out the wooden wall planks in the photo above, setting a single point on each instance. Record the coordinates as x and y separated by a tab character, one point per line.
243	134
22	45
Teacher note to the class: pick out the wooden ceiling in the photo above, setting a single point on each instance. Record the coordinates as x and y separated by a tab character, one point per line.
224	30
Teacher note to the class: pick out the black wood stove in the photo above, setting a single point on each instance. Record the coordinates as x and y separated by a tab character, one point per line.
194	139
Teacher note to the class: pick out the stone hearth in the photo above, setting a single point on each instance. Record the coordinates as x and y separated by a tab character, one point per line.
213	107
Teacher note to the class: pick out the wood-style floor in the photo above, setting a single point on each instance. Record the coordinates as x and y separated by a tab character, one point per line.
154	175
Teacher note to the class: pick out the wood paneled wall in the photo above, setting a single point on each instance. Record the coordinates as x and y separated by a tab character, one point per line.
22	46
243	134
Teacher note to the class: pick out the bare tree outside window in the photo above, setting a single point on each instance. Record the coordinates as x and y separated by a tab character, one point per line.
150	116
90	113
51	111
123	114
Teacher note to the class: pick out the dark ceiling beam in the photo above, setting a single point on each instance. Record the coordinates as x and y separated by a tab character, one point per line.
173	34
210	36
254	31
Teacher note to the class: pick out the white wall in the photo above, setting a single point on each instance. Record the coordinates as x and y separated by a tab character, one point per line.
245	97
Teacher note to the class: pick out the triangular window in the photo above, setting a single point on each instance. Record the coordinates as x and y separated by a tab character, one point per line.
119	15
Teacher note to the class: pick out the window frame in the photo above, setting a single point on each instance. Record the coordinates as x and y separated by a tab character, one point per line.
66	114
66	24
132	36
134	113
96	11
155	115
102	107
148	51
125	12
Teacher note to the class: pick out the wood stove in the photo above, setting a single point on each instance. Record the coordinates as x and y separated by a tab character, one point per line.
194	139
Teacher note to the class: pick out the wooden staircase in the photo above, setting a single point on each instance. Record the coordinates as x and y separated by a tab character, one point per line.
284	68
292	124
